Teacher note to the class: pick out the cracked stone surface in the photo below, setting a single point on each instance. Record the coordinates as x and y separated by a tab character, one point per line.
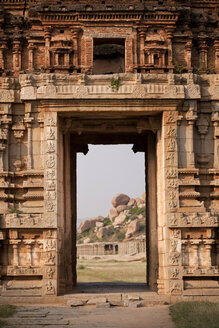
90	317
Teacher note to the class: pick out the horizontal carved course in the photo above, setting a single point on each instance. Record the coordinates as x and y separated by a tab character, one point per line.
26	221
193	220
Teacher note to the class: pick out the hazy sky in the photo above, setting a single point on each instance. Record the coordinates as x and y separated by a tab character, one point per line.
103	173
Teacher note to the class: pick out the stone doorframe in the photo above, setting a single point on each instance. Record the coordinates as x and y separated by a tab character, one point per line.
161	171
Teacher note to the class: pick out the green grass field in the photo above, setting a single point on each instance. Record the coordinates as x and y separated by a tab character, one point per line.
5	312
111	271
195	315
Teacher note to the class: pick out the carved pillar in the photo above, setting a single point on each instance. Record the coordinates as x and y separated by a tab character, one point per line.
202	125
142	34
170	50
128	55
193	255
56	59
208	255
16	56
41	122
66	60
203	55
28	120
191	116
2	62
216	64
75	36
31	48
15	252
215	120
47	36
28	244
188	51
217	254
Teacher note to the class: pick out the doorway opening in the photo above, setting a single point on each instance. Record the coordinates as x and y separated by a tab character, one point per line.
111	215
106	132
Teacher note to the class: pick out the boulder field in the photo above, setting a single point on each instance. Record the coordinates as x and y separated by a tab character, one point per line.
126	219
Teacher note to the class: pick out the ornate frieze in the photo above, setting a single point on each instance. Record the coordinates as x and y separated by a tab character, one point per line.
181	220
26	221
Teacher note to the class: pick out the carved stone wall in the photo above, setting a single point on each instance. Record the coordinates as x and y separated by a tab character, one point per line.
50	102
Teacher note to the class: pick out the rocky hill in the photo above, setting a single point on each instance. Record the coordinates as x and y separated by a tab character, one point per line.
125	220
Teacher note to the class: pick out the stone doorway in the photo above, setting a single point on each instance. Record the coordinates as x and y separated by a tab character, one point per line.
104	131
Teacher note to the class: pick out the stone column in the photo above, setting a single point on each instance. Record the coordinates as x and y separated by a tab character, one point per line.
188	48
142	34
31	48
208	255
50	198
15	252
203	55
47	36
191	116
28	244
16	56
66	60
217	255
28	120
216	63
128	55
56	59
75	35
193	255
2	62
170	50
41	122
2	149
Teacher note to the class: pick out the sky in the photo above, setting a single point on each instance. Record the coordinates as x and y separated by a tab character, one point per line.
105	172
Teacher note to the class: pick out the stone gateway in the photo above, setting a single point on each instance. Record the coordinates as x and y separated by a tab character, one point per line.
103	72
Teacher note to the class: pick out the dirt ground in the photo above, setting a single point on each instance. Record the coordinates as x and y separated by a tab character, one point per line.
91	317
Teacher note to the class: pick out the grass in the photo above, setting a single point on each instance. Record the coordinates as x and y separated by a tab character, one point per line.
111	271
195	314
5	312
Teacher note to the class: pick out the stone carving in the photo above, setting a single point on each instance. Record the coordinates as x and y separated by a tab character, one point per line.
175	258
50	174
171	146
50	185
172	194
171	173
51	195
50	289
175	288
172	204
50	272
50	206
171	132
50	162
50	258
50	134
170	117
170	158
50	147
192	91
193	220
50	245
172	184
174	273
13	271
